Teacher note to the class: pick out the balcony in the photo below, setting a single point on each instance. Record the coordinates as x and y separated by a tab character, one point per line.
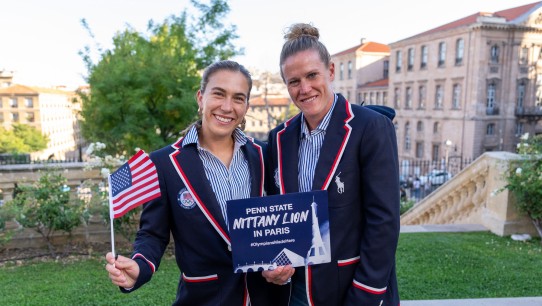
492	111
531	112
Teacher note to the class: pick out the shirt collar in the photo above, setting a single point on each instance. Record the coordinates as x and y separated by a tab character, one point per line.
192	137
323	124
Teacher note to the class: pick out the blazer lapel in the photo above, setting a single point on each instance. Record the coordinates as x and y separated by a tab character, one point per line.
337	136
288	141
254	155
190	168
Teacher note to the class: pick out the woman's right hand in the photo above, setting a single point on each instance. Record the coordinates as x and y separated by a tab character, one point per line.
123	271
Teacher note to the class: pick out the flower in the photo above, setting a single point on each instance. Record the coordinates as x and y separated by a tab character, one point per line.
518	171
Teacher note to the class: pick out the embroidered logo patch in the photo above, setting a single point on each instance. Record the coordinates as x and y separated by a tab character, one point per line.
340	184
185	199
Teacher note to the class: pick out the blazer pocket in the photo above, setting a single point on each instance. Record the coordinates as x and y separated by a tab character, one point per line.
347	269
199	290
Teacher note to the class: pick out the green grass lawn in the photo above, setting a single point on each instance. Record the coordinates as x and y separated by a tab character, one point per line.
429	266
467	265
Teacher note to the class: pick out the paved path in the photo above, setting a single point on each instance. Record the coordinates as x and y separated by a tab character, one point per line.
522	301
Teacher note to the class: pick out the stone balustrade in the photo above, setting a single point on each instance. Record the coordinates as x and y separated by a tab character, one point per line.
473	197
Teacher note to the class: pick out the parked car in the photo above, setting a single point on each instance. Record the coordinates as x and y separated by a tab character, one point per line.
439	177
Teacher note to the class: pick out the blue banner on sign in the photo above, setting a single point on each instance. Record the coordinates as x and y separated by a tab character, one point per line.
278	230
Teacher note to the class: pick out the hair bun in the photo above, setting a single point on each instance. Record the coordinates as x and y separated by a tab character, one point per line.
301	29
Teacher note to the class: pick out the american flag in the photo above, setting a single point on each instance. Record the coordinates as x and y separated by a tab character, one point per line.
134	183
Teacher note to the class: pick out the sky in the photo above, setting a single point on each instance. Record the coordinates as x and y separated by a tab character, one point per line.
40	40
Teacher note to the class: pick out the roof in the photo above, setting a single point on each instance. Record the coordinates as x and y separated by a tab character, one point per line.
18	89
370	47
510	16
272	101
379	83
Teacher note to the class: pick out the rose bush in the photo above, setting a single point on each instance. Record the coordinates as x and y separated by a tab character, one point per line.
524	179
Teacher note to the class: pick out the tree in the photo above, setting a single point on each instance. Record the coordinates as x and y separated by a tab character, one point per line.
31	137
22	139
525	179
143	89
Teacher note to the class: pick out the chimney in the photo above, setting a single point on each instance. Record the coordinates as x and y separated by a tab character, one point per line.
362	40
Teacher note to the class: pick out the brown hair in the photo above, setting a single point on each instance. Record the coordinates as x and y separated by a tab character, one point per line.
301	37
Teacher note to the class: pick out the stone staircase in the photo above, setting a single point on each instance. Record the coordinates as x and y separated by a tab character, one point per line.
473	197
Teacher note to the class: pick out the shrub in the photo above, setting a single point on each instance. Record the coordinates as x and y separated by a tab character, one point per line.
524	179
45	206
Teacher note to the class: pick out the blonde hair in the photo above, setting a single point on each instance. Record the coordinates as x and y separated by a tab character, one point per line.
301	37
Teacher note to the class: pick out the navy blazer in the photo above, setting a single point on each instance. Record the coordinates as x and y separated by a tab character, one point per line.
189	211
358	166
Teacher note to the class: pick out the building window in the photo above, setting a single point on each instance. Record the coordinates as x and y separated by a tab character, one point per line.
386	69
441	54
396	97
13	102
439	97
341	72
423	63
435	156
419	126
15	117
407	137
1	117
410	59
436	128
459	49
349	70
378	98
408	97
491	92
384	98
419	149
372	98
494	54
28	102
421	97
456	97
490	129
519	128
523	56
520	94
399	61
358	98
348	95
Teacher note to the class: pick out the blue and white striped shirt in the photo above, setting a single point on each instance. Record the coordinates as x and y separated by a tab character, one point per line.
227	184
309	149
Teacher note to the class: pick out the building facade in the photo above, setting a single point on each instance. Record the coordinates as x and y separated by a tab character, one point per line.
470	86
359	65
269	104
48	110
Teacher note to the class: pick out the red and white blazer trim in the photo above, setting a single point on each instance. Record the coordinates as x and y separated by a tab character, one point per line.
139	255
349	261
369	288
199	279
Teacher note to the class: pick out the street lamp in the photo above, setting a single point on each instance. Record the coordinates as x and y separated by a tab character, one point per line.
448	144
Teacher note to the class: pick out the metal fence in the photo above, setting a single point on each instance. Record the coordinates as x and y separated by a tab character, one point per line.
419	178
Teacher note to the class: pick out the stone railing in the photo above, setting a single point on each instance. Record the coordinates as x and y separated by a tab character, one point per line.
471	197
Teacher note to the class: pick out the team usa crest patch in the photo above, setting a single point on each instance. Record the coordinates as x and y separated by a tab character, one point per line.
185	199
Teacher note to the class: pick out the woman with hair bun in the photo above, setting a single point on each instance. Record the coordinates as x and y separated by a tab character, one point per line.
350	151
